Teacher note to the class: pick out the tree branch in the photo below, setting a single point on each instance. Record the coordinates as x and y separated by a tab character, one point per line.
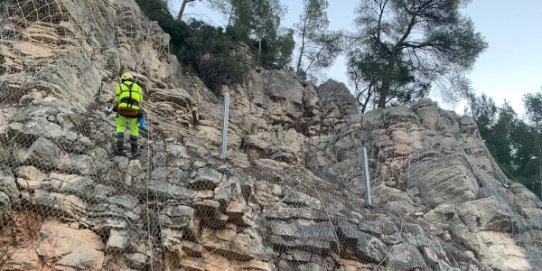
377	38
302	48
380	15
420	45
315	58
401	41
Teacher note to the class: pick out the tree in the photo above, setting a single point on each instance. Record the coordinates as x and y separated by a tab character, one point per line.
157	10
525	143
266	21
484	112
366	70
251	20
514	143
240	22
274	45
285	46
153	8
501	137
318	46
428	37
260	21
208	50
533	106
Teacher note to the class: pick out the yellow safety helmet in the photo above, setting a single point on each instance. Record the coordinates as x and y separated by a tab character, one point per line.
127	77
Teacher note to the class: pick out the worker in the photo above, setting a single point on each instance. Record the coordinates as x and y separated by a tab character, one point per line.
128	105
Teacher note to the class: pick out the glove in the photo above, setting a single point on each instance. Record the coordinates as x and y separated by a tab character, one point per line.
111	108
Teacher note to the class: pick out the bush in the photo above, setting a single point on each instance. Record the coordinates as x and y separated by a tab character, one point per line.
202	41
224	70
210	51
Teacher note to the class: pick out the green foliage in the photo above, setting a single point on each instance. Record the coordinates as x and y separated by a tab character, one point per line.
196	44
533	105
514	143
157	10
266	19
484	112
210	51
525	144
202	40
366	70
530	152
153	9
266	24
284	45
319	46
425	40
501	134
241	20
217	71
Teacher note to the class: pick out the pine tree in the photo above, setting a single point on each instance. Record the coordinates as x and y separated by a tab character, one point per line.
429	38
318	46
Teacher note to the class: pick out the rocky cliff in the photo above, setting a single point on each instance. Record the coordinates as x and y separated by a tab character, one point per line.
288	197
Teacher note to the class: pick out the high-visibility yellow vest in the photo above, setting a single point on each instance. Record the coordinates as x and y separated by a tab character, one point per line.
129	95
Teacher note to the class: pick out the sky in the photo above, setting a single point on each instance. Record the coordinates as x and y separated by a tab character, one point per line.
508	69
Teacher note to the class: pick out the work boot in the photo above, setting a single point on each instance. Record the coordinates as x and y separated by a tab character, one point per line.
133	145
120	143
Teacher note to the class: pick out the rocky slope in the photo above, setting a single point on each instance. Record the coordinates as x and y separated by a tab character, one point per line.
289	196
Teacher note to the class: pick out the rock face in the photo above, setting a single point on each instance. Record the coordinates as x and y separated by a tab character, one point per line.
288	197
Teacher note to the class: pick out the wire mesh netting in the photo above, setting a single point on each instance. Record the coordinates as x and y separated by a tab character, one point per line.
289	196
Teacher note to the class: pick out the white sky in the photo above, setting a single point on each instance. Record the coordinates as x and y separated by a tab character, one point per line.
508	69
512	65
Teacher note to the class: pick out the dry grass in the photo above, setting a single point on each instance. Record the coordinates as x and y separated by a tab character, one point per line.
20	229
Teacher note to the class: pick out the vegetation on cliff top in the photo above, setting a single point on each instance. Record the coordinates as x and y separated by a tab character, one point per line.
400	51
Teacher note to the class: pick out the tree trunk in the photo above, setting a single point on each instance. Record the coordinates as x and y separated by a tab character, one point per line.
181	11
394	53
302	48
367	99
301	52
230	17
386	83
540	170
260	51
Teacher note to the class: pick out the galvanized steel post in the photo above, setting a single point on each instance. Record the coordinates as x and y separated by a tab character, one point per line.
225	124
366	177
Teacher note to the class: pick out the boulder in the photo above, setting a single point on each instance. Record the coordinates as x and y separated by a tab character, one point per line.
406	257
66	247
42	154
8	189
336	99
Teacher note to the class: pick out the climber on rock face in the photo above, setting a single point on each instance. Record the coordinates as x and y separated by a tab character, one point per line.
128	107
